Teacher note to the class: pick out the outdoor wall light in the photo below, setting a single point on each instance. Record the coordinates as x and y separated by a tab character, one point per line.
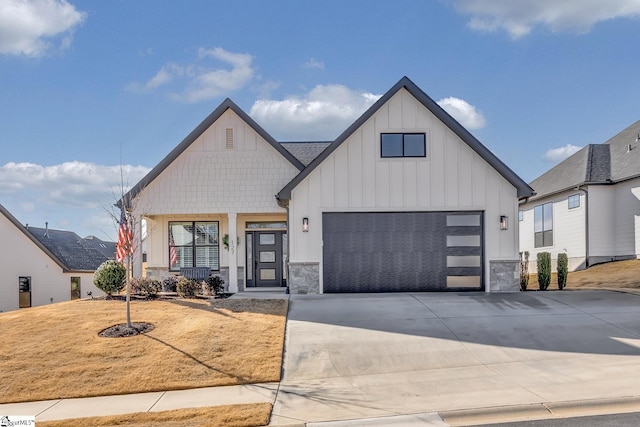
504	222
305	224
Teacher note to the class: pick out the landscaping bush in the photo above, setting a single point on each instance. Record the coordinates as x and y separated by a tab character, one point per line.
563	270
524	270
215	285
145	286
544	270
110	277
170	284
187	288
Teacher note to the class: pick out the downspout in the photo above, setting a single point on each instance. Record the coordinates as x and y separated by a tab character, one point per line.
586	225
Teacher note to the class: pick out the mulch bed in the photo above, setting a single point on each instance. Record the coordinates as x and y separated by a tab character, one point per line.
122	330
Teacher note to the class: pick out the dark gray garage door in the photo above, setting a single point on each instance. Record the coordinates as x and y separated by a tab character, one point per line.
402	251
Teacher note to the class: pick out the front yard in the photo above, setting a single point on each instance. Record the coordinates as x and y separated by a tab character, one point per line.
55	352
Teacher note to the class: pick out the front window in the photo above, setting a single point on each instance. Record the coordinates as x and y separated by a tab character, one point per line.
193	244
543	225
403	145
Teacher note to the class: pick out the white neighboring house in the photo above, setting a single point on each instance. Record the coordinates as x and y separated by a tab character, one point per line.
588	206
43	266
406	199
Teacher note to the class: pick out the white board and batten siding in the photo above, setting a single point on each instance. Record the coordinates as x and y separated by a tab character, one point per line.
452	177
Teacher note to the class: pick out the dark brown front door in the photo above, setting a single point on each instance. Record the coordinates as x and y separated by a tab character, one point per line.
265	258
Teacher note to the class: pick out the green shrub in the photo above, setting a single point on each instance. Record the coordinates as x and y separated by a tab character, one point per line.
563	270
215	285
524	270
145	286
110	277
187	288
170	284
544	270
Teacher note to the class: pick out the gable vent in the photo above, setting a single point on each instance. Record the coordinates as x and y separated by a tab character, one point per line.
229	138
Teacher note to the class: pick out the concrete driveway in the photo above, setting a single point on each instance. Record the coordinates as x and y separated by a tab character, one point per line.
379	355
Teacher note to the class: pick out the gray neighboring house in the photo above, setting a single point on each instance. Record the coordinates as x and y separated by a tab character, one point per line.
588	206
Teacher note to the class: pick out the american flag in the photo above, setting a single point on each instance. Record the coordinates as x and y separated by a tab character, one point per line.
173	255
124	246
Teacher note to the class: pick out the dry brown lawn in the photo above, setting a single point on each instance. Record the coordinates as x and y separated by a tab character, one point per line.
611	275
231	416
54	351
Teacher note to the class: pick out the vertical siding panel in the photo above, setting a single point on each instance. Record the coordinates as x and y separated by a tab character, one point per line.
423	176
395	111
328	177
382	184
410	184
452	170
341	187
437	165
396	198
314	215
410	108
479	176
464	177
355	169
370	144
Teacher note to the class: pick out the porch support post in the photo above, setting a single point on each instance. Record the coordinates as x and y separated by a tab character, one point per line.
233	257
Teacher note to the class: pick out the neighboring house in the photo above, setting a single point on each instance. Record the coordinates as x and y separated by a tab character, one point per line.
43	266
406	199
588	206
108	249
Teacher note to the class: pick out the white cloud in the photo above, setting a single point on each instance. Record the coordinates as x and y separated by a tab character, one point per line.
518	18
71	195
314	64
31	27
466	114
200	81
321	114
558	154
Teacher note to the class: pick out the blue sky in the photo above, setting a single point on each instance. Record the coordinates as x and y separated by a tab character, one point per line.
88	86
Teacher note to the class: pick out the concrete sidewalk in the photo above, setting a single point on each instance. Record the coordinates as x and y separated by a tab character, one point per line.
62	409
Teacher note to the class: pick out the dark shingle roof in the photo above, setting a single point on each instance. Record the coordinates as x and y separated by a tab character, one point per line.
616	160
69	248
306	152
107	249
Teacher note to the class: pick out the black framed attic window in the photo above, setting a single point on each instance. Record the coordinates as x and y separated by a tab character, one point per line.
403	145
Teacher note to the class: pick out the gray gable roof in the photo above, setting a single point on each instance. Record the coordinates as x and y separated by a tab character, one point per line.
72	250
617	159
49	249
195	134
107	249
306	152
523	188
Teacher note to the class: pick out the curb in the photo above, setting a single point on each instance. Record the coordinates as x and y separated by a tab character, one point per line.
541	411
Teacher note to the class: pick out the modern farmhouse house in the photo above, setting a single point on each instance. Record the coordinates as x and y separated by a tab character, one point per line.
588	206
43	266
405	199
